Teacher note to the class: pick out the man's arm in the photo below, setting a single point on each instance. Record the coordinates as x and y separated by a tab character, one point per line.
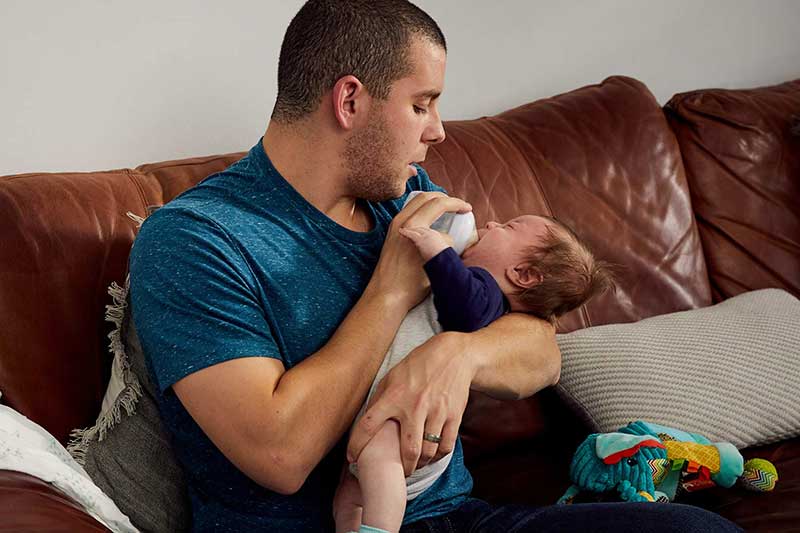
276	425
514	357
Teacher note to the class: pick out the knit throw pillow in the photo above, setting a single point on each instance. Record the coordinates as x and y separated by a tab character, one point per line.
730	371
128	453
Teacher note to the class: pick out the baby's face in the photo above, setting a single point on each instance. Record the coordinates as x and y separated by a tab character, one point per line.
501	246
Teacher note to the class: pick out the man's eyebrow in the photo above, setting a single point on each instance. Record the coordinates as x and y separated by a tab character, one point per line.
433	94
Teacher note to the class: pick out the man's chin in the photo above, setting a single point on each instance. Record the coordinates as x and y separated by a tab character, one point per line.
399	191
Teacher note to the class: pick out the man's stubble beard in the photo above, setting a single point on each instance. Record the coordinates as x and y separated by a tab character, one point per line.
368	159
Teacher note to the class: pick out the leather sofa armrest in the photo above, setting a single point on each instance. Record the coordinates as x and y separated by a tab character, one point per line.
29	504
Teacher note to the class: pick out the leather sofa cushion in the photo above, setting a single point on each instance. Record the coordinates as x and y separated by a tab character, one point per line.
602	159
29	504
743	165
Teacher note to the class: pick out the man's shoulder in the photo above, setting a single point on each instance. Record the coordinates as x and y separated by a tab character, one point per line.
174	221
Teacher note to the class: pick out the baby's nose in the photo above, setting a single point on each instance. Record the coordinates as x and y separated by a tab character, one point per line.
491	224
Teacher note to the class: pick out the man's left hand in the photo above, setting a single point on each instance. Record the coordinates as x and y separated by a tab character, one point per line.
426	393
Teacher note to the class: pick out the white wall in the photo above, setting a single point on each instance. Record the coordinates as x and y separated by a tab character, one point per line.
99	84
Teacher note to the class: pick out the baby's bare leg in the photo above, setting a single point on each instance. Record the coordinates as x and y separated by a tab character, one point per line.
383	483
347	504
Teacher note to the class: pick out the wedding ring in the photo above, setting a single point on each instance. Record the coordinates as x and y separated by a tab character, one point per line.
430	437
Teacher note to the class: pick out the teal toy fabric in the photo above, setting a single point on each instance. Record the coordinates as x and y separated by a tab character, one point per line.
646	462
731	463
609	461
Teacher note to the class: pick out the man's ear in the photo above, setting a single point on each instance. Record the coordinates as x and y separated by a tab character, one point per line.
350	100
524	275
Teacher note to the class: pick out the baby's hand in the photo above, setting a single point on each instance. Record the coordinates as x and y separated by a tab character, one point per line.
428	241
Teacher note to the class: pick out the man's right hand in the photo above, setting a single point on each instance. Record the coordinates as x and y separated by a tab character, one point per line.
399	270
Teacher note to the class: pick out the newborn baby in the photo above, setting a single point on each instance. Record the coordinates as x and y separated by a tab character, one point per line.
531	264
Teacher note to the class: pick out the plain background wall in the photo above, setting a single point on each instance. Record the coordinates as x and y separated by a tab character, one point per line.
100	84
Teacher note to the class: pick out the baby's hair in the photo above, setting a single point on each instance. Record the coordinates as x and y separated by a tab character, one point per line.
571	275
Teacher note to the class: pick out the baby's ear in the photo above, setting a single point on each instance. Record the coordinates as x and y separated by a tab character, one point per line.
524	275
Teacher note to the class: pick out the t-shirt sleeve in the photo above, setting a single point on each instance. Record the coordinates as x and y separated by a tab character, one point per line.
194	298
466	298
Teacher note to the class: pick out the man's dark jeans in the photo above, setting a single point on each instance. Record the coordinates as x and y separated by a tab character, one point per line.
477	516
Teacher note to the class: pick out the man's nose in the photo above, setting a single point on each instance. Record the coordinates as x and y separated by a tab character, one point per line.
434	134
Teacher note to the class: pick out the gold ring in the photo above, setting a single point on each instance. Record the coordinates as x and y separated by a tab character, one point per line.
430	437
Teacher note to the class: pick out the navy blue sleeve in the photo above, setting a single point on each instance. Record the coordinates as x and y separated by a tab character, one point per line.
466	298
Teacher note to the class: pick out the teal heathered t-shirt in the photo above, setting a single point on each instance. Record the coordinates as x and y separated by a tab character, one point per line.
242	265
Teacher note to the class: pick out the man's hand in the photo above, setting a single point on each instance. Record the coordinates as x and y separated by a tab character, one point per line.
426	393
513	357
429	242
399	270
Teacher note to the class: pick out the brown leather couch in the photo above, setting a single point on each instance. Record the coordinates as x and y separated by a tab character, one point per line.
699	201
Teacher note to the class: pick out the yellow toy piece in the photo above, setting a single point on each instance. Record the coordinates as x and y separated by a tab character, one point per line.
646	496
703	454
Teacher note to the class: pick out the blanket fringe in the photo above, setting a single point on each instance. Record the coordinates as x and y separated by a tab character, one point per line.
129	396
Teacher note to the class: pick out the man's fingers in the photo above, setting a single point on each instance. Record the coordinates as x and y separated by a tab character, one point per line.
449	434
414	204
364	430
418	234
435	207
427	207
410	439
433	429
413	234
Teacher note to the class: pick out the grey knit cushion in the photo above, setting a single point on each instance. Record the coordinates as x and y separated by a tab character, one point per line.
730	372
130	458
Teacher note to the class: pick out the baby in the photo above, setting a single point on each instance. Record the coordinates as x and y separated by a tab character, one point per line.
531	264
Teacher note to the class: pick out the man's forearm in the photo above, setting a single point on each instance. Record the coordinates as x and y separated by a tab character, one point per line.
515	357
316	401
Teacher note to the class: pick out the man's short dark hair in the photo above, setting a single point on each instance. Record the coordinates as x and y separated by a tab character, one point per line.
329	39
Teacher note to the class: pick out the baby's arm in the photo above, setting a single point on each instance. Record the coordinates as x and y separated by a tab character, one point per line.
466	299
428	241
382	480
378	497
347	503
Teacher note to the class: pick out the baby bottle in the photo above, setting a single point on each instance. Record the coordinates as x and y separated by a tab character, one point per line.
460	227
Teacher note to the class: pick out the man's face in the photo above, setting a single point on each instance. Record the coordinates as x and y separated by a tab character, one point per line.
378	156
501	246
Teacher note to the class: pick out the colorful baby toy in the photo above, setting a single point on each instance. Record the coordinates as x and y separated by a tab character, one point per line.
646	462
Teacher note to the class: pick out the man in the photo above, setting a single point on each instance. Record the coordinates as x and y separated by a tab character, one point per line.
266	297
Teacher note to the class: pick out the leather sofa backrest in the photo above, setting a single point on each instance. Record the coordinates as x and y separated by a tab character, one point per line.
63	239
742	160
601	158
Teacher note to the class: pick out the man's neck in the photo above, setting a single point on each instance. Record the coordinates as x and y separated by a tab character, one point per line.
311	164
